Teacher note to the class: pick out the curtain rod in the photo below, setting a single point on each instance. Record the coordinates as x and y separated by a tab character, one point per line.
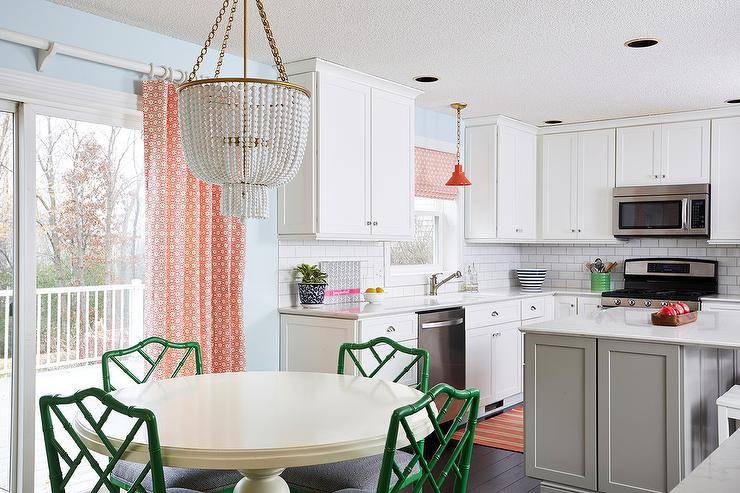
48	48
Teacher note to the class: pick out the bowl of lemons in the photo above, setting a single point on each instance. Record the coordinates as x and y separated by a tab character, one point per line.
374	295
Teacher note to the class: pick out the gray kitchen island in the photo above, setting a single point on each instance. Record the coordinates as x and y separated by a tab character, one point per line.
615	404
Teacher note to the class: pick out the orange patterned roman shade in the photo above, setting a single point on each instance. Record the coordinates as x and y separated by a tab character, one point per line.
433	169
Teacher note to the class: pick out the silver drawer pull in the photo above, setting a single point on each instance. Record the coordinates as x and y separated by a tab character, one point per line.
533	308
496	334
494	314
390	329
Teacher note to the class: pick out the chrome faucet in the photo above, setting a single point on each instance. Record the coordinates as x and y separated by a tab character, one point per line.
434	285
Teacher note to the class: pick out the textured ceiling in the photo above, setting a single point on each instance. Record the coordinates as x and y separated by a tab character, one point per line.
533	60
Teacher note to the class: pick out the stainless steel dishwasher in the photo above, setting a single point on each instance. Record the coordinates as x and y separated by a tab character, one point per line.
442	333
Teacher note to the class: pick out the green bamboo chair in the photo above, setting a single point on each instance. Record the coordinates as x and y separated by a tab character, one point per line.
190	348
361	472
420	359
51	405
124	473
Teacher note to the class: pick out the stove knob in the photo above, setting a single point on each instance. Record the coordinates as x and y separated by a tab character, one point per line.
632	302
664	303
648	303
617	301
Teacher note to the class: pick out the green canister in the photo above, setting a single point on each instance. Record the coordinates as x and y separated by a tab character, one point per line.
601	281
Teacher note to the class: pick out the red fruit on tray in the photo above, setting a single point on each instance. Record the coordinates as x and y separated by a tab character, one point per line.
678	308
685	307
668	310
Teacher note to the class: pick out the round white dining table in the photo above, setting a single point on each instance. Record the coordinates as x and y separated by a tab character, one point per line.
259	423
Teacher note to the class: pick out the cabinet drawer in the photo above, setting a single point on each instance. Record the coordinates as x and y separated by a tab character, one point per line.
399	328
533	308
492	313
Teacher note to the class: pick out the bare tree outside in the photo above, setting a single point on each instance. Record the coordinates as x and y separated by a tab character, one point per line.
420	250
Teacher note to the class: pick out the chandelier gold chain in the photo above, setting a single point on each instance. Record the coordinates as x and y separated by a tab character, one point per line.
225	42
282	74
209	40
458	135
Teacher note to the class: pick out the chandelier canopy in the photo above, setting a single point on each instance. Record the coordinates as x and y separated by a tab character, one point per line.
244	134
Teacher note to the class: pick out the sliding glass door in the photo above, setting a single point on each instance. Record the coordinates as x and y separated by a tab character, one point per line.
8	152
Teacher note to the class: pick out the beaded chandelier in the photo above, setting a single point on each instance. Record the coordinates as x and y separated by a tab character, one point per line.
244	134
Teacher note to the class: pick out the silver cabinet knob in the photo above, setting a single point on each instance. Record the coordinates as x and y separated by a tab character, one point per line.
494	314
662	176
572	230
375	223
390	329
579	230
369	223
533	308
657	176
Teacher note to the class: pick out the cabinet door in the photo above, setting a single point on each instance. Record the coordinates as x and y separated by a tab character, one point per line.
596	170
392	165
639	417
480	168
517	184
588	305
560	417
565	306
506	363
685	152
638	155
725	179
478	358
394	367
344	156
559	185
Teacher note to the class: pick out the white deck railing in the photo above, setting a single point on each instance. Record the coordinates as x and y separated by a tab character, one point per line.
76	325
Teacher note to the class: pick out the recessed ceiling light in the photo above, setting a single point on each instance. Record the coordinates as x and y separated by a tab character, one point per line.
553	122
426	78
733	101
641	43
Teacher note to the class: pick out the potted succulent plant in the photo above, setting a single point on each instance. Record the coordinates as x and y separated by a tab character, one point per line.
312	285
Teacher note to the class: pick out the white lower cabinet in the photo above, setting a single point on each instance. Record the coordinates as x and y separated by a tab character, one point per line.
568	305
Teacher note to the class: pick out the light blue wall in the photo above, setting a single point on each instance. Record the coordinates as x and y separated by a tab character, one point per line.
57	23
434	125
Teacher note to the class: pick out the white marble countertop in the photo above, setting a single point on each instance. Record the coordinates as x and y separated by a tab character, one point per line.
719	473
714	329
724	298
410	304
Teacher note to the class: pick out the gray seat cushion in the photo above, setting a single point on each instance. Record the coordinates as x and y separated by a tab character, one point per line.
359	474
200	480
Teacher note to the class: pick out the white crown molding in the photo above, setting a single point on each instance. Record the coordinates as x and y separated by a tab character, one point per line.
500	120
323	66
436	145
30	88
682	116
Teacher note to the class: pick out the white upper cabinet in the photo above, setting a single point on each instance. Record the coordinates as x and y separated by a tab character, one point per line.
638	155
559	186
670	153
725	225
577	181
596	170
501	163
480	168
357	177
344	143
685	152
392	168
517	184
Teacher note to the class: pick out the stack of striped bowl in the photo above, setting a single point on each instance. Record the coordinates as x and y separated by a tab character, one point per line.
531	279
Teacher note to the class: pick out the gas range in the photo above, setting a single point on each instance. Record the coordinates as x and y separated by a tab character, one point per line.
656	282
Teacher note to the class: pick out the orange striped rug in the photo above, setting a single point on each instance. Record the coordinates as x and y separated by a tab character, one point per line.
504	431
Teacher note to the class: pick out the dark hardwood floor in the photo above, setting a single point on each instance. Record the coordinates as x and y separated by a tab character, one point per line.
494	470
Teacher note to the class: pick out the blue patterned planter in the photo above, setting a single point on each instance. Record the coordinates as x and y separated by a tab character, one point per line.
311	294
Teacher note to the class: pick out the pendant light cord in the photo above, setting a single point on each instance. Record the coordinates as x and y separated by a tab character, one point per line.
457	155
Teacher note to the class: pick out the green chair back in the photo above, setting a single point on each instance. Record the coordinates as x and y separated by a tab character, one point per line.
464	405
420	360
51	407
191	348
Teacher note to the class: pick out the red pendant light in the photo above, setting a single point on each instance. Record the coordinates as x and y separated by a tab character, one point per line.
458	178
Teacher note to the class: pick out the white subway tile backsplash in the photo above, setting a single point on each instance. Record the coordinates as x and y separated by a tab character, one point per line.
496	263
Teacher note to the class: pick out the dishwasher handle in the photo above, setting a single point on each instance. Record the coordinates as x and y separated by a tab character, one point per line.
443	323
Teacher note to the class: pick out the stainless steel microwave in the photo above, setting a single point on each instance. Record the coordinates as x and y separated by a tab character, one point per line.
662	210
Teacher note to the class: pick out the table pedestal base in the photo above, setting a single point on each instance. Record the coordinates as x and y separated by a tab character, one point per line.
262	481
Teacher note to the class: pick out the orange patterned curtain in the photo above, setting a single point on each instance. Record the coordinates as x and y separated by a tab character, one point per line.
433	169
194	255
